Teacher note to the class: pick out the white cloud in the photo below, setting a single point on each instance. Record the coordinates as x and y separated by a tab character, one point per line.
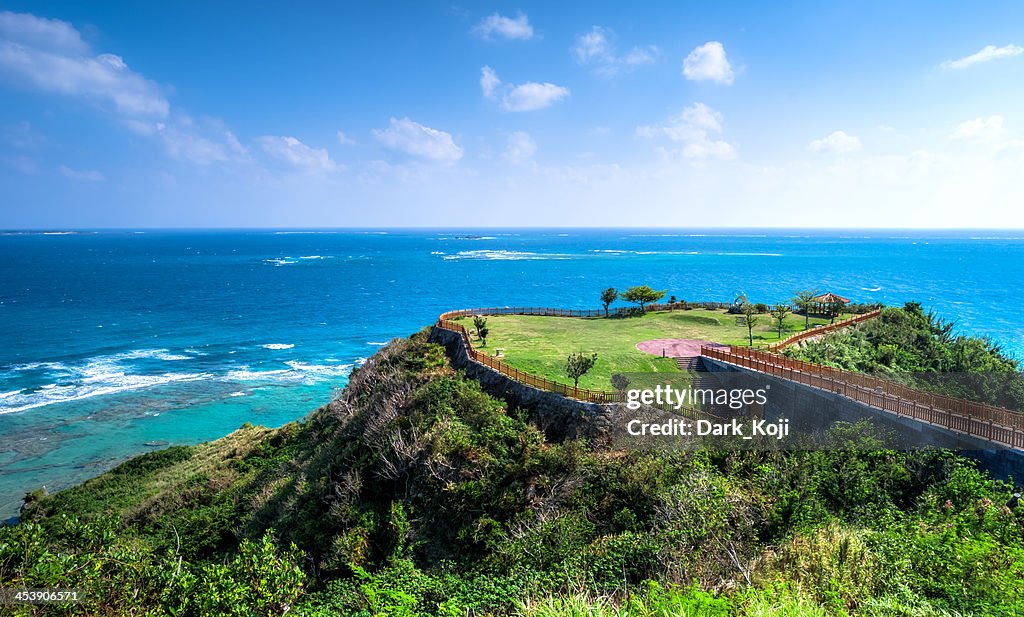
837	142
520	148
49	55
297	154
708	62
985	54
345	140
419	141
987	129
504	27
489	82
695	130
41	33
596	49
532	96
85	175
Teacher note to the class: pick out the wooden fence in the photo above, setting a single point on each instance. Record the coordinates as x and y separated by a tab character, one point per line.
977	419
556	312
806	334
583	394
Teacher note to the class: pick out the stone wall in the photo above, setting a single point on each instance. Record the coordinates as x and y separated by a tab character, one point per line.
558	416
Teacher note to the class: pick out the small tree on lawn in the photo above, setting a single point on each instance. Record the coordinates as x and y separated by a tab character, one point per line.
480	323
779	312
620	382
607	297
750	320
577	365
804	300
642	295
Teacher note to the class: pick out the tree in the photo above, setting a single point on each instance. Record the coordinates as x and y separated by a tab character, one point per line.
607	297
577	365
642	295
804	300
620	382
834	309
480	323
779	312
750	319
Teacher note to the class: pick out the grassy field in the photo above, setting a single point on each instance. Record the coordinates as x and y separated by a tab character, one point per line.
540	345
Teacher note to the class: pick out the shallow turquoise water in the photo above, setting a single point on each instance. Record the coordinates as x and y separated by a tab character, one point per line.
114	340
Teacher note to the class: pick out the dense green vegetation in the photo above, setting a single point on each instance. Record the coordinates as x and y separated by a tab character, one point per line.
910	345
539	345
414	493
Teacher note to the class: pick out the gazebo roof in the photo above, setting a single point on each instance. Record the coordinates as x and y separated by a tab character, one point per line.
827	297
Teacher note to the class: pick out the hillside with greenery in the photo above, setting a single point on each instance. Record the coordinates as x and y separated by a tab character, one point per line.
922	350
414	493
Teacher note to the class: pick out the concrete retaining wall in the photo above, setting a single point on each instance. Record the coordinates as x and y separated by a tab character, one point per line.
811	410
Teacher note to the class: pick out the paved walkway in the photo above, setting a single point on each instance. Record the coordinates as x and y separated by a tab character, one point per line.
676	347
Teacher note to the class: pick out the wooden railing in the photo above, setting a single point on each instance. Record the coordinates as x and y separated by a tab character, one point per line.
989	422
583	394
557	312
813	332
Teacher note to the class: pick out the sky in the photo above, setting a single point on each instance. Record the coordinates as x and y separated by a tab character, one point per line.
375	114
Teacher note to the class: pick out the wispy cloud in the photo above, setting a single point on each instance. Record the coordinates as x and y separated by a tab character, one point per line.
596	49
296	154
980	129
987	53
418	141
520	148
489	82
499	26
708	62
837	142
695	130
83	175
50	55
345	140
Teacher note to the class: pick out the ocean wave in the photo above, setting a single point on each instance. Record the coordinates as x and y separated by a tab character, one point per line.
872	289
503	255
749	254
277	346
377	343
95	383
280	261
297	372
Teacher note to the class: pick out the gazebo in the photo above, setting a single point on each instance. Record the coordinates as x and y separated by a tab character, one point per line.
827	299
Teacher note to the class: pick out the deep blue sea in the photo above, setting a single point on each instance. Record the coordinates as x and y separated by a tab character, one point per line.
116	343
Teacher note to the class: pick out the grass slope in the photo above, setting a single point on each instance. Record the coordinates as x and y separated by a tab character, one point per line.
539	345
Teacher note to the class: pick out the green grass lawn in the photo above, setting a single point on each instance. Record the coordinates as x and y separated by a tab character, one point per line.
539	345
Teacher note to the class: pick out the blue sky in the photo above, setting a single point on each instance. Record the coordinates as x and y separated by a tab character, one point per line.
183	114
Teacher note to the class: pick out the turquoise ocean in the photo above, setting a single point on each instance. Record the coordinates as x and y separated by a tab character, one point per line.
114	343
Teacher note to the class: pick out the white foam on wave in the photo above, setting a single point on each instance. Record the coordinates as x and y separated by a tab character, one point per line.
277	346
503	255
316	257
297	372
749	254
96	381
376	343
280	261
